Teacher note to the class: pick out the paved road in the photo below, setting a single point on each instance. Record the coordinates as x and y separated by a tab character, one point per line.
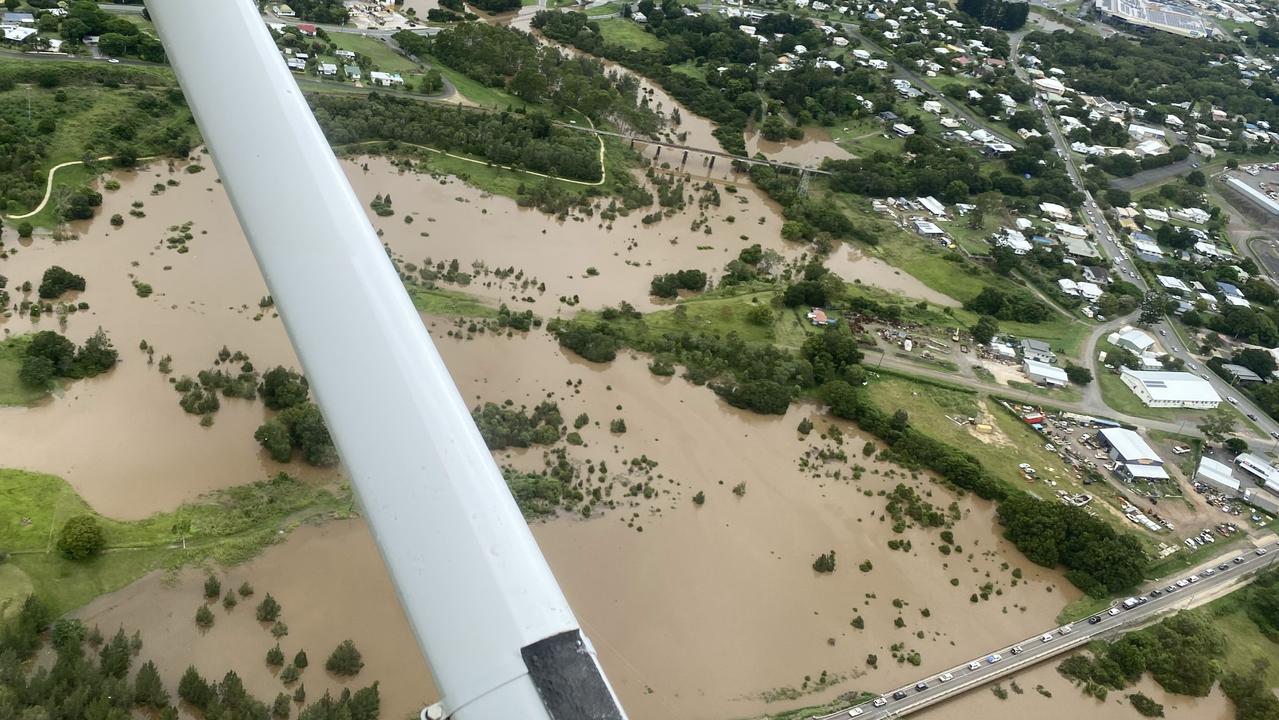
1121	261
1003	661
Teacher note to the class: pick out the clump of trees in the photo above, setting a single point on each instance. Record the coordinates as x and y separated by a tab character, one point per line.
81	538
344	660
50	355
825	563
299	427
504	426
526	141
669	284
58	280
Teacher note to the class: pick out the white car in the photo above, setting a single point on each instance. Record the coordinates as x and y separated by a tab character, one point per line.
1113	611
1046	637
1232	400
1163	333
1065	629
113	61
880	702
855	712
1182	583
1193	578
945	677
974	665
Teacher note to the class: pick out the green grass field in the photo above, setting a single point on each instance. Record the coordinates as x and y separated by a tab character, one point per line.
928	405
864	137
628	34
228	527
448	303
1247	644
384	58
12	390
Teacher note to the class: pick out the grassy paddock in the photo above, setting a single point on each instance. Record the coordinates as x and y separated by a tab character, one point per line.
448	303
629	35
229	526
12	390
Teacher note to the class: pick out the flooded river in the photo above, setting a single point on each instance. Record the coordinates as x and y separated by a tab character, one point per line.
698	612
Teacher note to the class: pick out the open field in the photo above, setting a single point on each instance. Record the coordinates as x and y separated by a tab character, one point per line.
12	390
229	526
628	34
381	54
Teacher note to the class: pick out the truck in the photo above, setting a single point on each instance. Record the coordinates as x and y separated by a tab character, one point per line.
1130	603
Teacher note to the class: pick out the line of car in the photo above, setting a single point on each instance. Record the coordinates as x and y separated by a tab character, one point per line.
1128	604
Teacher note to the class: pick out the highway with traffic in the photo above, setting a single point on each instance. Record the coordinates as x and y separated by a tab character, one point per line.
1172	594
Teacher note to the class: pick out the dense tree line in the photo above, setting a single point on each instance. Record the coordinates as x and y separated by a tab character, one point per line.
1158	67
496	6
499	56
527	141
1099	559
117	37
997	13
1014	305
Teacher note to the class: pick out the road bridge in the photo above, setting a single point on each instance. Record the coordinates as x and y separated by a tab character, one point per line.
1008	659
632	139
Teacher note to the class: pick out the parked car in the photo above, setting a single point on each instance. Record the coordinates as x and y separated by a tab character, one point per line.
855	712
899	695
994	658
1261	551
1239	560
974	665
1091	621
945	677
921	686
880	702
1016	650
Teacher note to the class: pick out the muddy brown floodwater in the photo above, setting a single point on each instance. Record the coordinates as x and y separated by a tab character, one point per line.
697	611
808	151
